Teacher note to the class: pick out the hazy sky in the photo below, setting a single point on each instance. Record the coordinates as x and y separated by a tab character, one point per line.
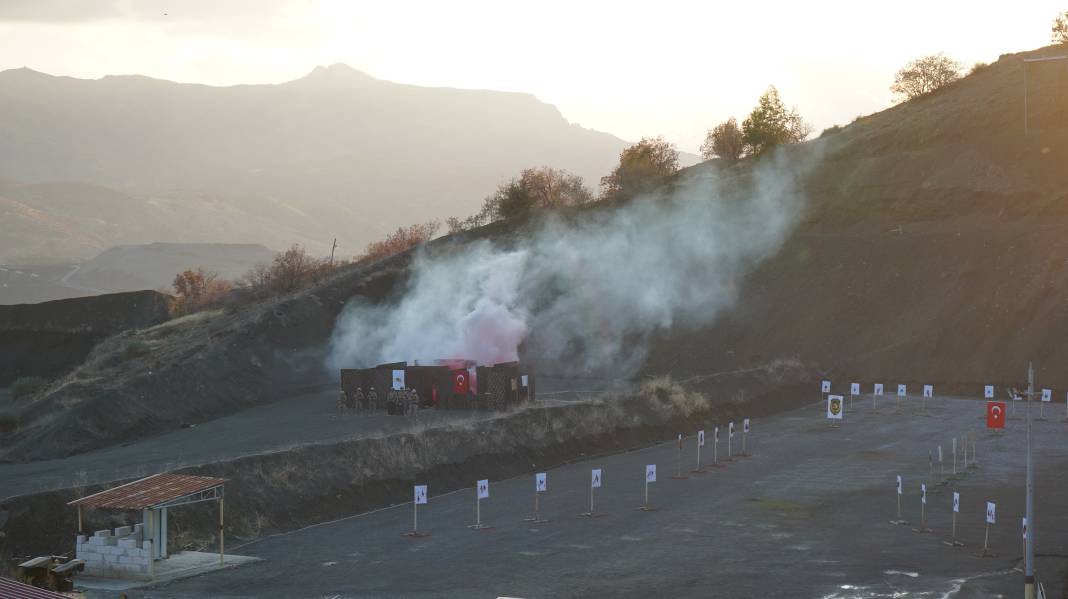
629	68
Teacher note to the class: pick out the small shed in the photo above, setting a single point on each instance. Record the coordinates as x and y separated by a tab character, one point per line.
144	543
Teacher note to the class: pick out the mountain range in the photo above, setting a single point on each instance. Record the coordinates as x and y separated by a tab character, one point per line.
88	164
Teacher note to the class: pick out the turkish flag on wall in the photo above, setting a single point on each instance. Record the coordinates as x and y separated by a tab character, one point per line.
459	382
995	414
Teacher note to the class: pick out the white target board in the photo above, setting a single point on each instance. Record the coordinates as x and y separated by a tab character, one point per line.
854	388
835	407
541	482
730	430
650	473
878	389
1047	395
991	512
899	490
745	426
901	391
595	478
956	502
420	494
928	390
988	392
398	379
1023	527
825	386
483	489
923	493
701	438
715	434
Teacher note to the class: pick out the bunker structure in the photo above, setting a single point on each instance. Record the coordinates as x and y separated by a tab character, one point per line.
446	384
136	552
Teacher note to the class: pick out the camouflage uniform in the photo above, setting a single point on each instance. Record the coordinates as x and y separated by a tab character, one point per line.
372	399
413	401
359	401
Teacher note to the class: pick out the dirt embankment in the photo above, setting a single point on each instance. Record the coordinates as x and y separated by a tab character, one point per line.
51	338
286	490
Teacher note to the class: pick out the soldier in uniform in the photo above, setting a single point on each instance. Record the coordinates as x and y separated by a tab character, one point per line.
359	401
342	400
393	402
413	401
372	398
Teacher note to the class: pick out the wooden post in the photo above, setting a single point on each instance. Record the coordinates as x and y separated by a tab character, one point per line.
222	532
81	529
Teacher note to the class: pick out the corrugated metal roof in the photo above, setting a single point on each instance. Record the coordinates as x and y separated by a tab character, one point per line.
13	589
149	492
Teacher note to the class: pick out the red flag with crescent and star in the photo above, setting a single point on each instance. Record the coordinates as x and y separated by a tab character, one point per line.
995	414
459	382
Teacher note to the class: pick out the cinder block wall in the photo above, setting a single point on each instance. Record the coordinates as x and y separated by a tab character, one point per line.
124	554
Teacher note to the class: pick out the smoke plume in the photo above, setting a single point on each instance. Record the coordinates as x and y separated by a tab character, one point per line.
584	297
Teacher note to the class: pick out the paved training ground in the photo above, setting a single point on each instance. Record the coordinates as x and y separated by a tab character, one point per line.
806	516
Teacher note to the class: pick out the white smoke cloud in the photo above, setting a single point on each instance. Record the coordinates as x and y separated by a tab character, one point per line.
586	297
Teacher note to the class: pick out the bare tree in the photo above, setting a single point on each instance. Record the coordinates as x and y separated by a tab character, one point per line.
925	75
724	141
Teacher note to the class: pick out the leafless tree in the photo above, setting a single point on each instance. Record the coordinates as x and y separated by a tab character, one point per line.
925	75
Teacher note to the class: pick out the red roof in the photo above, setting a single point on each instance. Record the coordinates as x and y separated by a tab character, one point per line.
12	589
149	492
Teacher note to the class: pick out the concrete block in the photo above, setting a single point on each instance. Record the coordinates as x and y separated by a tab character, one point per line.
96	541
113	541
123	531
127	542
81	540
102	533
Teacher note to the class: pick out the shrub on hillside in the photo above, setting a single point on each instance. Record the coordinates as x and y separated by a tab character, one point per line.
643	167
8	422
25	386
196	290
403	239
724	141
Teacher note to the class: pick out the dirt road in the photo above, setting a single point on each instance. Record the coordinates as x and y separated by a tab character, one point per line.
806	516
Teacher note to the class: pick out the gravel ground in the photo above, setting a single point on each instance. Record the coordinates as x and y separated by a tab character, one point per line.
806	516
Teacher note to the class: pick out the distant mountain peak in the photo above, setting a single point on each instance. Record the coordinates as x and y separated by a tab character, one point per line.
338	74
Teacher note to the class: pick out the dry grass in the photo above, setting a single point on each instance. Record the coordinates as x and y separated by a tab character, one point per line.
672	398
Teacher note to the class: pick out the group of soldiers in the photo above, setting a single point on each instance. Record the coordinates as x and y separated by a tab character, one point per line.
398	402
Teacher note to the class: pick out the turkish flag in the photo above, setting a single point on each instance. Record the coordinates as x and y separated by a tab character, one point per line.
995	414
459	382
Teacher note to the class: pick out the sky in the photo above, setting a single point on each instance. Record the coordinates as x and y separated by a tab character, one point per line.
633	69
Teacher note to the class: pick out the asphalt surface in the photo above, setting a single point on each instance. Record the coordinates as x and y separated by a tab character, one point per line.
306	419
806	516
282	425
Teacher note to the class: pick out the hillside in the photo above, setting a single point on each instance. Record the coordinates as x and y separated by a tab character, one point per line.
336	153
928	250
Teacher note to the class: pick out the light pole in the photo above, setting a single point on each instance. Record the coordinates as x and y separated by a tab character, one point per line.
1029	557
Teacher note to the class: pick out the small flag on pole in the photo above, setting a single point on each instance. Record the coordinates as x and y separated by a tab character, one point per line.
995	414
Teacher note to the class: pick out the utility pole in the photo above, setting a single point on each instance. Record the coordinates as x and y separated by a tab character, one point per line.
332	248
1029	557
